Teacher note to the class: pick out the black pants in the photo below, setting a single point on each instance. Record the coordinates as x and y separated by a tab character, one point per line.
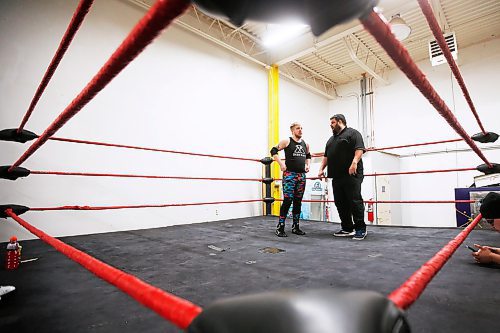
349	202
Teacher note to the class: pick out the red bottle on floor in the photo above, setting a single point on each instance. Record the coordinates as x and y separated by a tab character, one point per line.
13	255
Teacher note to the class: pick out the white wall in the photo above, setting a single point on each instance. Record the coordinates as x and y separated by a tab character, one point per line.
182	93
310	110
348	105
403	116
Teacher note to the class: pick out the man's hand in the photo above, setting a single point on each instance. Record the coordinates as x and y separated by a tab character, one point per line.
283	167
484	255
307	168
353	168
321	174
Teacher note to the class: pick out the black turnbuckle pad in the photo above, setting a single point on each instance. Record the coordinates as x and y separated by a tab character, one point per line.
266	160
318	311
17	209
487	170
11	134
269	200
485	137
14	173
267	180
320	15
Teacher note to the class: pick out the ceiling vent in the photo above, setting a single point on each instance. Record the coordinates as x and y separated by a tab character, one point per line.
435	53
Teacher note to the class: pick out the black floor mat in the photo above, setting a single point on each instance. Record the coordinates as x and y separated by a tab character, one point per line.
207	261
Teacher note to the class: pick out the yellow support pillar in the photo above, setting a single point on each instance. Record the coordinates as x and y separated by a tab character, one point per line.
274	133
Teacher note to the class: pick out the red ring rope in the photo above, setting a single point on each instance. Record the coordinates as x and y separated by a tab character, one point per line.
176	310
436	30
419	172
140	206
78	17
420	201
396	201
413	145
408	292
156	19
149	149
88	174
401	146
403	173
382	33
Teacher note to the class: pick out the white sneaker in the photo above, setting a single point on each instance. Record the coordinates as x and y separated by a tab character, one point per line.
5	290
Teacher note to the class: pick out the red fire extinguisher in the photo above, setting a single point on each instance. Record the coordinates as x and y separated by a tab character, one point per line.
371	216
13	255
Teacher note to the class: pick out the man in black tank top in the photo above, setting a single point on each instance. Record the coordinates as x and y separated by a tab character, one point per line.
297	162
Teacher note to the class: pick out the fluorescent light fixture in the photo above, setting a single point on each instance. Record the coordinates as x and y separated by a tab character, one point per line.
399	27
277	34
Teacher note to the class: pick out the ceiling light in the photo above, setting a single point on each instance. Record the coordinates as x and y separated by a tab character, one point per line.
277	34
399	27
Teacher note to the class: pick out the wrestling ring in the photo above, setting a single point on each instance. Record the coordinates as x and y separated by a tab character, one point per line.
235	275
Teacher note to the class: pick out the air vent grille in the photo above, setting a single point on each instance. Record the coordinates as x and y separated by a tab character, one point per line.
435	53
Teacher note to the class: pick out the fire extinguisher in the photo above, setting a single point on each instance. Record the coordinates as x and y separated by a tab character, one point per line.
371	217
13	255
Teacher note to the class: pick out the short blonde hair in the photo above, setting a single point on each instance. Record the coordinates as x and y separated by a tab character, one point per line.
295	123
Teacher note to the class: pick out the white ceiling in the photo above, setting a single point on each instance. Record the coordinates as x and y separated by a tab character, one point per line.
346	52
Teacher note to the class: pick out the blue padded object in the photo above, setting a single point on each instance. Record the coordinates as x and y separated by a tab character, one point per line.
311	311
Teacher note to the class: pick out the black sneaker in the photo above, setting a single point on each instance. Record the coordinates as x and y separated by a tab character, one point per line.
280	231
360	235
343	233
296	230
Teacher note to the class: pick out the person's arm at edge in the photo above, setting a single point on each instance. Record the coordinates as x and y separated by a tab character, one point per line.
487	255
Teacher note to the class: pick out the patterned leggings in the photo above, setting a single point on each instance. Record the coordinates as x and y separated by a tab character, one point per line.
294	184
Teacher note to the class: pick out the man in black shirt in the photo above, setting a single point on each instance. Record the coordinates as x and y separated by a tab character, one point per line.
297	162
343	153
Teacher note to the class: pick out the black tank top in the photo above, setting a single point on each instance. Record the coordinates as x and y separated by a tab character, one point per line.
295	155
